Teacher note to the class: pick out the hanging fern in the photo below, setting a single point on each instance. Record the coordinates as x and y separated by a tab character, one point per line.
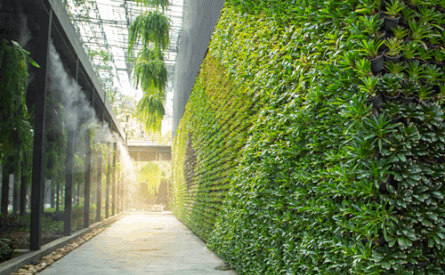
150	111
150	27
150	71
15	124
151	173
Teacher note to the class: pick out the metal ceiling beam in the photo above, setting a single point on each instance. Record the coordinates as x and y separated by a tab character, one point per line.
68	37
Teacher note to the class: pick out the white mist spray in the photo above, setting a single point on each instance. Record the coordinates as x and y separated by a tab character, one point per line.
80	116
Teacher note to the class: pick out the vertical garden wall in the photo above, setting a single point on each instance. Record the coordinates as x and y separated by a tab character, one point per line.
297	154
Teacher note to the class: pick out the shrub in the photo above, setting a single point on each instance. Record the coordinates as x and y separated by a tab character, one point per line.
6	249
12	223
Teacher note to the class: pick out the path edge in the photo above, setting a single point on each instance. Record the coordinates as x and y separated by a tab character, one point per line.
16	263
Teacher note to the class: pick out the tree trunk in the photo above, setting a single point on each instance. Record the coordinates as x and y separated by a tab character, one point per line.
79	181
74	189
15	194
58	196
53	195
23	194
42	196
5	186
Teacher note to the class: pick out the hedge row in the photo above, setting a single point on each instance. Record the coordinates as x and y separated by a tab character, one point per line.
311	177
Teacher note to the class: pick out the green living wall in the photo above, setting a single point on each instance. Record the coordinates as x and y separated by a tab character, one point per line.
285	165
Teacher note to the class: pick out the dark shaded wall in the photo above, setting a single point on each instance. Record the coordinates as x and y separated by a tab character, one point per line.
200	19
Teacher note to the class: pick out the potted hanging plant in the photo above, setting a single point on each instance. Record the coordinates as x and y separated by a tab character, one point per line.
369	86
395	67
419	31
409	90
423	94
432	77
424	55
410	51
441	5
428	15
441	95
369	6
413	4
390	85
400	32
395	46
363	67
392	14
432	74
407	14
438	55
415	70
371	50
372	25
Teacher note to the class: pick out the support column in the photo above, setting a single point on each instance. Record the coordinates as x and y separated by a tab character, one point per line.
69	168
107	199
99	187
15	194
6	171
117	189
113	202
40	55
23	188
86	200
57	192
121	189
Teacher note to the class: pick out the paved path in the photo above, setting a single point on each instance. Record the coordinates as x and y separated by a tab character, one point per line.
141	243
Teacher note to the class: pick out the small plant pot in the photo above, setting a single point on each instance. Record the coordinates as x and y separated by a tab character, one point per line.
384	183
431	46
382	15
381	240
423	62
404	59
430	160
377	64
423	102
376	101
439	64
435	90
413	7
404	24
406	99
383	37
391	58
391	23
395	120
391	98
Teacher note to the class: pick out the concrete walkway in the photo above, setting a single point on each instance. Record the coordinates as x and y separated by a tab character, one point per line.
141	243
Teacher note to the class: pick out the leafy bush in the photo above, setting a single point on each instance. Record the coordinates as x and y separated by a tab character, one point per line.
295	172
12	223
6	249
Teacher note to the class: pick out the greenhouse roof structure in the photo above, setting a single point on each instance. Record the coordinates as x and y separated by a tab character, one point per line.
102	26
